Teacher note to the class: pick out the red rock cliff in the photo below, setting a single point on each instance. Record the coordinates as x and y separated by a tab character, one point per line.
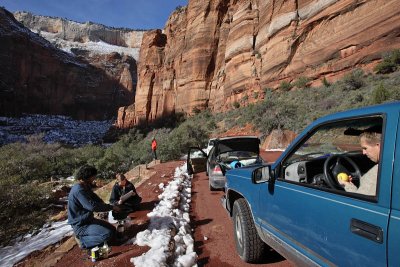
213	53
35	77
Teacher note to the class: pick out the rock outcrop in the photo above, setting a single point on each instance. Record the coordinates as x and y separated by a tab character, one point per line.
214	53
36	77
59	30
278	140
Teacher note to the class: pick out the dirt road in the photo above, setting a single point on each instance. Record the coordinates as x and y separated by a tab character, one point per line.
213	229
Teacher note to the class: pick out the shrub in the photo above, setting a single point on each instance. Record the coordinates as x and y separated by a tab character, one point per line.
285	86
179	8
302	82
236	104
255	95
395	56
196	110
384	67
21	209
389	63
380	94
325	82
358	98
353	80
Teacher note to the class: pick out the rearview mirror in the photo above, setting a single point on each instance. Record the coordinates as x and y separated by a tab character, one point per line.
262	174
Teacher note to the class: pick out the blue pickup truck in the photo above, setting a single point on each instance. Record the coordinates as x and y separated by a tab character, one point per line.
331	199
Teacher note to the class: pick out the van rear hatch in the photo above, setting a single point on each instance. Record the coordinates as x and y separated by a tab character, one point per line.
250	144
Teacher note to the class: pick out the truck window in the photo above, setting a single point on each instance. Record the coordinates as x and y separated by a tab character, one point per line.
341	156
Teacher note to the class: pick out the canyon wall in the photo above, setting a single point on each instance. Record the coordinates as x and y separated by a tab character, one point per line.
36	77
81	32
214	53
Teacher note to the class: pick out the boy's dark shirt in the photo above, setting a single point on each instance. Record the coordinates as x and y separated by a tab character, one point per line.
118	191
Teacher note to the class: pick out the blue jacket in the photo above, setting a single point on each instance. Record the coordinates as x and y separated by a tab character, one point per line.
82	202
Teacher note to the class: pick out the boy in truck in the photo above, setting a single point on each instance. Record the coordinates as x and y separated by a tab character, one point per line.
370	141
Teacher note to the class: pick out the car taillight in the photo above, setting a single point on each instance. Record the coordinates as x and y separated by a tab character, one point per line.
217	170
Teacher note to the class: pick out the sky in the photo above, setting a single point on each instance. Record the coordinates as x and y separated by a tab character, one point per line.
133	14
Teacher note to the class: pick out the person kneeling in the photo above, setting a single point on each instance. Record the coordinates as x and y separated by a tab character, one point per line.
124	196
82	202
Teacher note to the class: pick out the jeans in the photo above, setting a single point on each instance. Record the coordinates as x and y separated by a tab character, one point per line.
127	208
95	234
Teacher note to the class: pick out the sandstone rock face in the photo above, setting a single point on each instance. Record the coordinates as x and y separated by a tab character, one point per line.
36	77
278	140
218	52
81	32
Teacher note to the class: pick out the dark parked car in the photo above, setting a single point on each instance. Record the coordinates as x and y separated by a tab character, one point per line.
227	153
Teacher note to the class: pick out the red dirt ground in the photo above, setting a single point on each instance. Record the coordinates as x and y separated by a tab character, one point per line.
213	230
120	255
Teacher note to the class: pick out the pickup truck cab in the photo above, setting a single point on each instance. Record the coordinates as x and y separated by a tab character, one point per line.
300	206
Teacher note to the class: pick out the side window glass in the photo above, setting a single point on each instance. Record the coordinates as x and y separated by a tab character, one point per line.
341	156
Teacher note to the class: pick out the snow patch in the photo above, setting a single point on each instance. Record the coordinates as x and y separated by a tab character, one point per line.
61	129
48	235
169	234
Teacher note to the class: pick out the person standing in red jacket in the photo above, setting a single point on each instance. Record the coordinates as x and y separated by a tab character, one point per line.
154	147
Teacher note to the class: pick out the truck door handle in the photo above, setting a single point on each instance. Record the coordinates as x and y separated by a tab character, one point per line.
367	230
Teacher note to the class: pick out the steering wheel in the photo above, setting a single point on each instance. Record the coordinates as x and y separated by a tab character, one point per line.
333	162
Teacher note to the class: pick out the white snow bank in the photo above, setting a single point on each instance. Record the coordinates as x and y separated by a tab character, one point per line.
49	234
169	234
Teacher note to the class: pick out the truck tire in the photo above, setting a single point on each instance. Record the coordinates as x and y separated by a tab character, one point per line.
249	245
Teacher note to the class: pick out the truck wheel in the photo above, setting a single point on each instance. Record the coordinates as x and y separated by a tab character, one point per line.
248	244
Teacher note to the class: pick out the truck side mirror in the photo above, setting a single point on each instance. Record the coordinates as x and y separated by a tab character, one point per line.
262	174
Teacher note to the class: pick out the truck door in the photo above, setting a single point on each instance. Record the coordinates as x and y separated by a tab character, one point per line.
309	214
394	221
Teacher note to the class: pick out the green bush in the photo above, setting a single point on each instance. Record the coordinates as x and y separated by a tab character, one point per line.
395	56
353	80
196	110
285	86
325	82
389	63
384	67
380	94
302	82
21	209
236	104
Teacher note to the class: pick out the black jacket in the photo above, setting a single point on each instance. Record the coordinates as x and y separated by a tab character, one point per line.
118	191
